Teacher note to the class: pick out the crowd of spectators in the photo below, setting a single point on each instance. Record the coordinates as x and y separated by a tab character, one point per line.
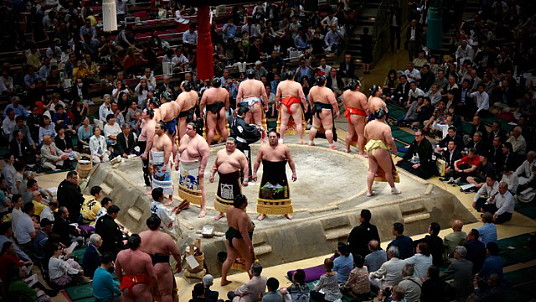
478	100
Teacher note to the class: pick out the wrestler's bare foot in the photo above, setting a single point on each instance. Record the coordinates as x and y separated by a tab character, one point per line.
289	216
334	147
301	142
347	150
202	214
261	217
311	144
219	216
395	191
169	201
364	154
370	194
225	282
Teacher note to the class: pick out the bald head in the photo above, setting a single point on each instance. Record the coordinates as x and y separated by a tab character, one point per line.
47	140
373	245
457	225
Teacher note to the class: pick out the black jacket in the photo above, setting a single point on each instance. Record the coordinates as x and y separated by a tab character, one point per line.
241	131
424	149
70	196
121	145
112	237
63	230
360	236
457	154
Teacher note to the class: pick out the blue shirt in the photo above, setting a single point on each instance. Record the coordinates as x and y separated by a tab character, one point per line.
343	265
492	265
405	246
231	31
19	110
488	233
104	287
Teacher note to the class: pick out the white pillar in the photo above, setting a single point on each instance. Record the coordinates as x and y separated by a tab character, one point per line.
109	15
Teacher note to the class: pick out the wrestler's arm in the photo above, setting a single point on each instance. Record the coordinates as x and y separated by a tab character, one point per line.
117	265
214	168
204	151
245	168
174	251
167	152
150	138
264	97
239	95
333	101
302	96
364	104
390	140
243	227
278	97
311	97
227	102
291	164
257	164
203	103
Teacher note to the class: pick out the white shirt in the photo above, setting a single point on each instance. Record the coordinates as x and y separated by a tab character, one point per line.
325	69
8	126
415	93
58	268
482	100
525	171
164	214
189	38
104	111
504	203
97	145
413	75
48	214
112	130
23	229
519	144
512	181
486	190
421	264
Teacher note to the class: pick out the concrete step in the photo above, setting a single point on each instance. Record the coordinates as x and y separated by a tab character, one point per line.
416	218
262	249
336	234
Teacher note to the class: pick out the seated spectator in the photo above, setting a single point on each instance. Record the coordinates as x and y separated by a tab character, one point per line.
98	148
476	250
24	228
64	272
358	284
492	290
198	293
434	243
482	101
20	148
9	123
402	91
424	112
272	296
510	178
527	171
66	232
486	191
452	135
460	271
111	130
413	94
53	158
376	258
106	203
502	204
104	287
84	133
421	261
404	243
484	168
344	263
390	273
91	206
488	231
210	295
327	288
48	212
456	238
41	239
64	142
493	263
108	229
8	257
61	118
450	156
361	235
299	290
418	158
434	289
252	290
519	144
46	129
92	256
464	167
39	202
6	235
126	142
411	284
18	289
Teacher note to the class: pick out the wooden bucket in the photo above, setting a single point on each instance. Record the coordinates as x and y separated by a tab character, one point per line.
84	165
